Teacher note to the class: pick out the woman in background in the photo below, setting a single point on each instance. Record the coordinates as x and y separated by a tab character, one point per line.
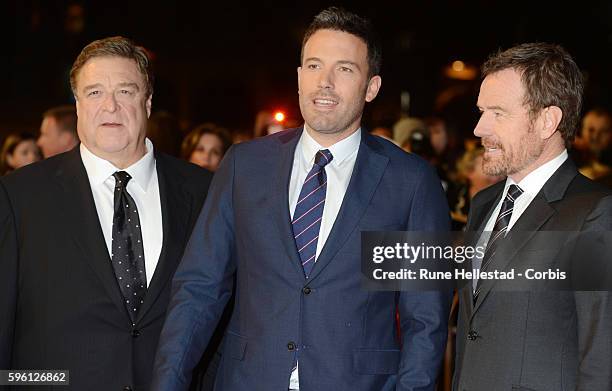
206	145
18	150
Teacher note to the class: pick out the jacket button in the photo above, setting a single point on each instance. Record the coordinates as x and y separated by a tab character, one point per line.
472	335
306	290
135	333
291	346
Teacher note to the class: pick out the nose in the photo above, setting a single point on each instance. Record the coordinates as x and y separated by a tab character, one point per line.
482	127
206	157
110	103
326	79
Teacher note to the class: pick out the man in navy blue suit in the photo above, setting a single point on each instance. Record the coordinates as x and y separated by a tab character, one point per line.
284	216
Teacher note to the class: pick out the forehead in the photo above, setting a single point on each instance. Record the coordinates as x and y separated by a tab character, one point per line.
596	120
48	123
503	88
109	70
332	44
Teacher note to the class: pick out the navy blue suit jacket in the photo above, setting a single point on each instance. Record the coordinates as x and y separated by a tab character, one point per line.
346	336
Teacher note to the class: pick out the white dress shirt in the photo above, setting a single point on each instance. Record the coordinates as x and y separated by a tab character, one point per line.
144	189
338	172
531	186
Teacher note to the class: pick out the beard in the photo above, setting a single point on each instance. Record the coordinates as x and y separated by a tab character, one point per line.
512	158
335	121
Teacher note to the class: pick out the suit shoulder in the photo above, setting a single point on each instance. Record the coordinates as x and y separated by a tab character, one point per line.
190	173
266	143
581	184
35	175
409	162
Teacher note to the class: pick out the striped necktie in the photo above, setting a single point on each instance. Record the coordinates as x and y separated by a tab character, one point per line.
499	231
309	211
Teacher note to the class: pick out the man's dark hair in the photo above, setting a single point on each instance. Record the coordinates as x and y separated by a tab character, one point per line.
550	78
115	47
339	19
65	116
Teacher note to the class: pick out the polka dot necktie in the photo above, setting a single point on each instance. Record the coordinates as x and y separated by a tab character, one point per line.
309	211
128	250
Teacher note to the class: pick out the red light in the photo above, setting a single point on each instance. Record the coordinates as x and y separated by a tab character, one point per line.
279	116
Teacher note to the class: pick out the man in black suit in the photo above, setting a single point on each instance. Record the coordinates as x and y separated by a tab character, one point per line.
90	239
530	337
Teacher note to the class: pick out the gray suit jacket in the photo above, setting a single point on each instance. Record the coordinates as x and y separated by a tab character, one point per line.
538	339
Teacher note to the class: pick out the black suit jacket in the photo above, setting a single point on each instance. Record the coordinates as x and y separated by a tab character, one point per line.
60	305
551	340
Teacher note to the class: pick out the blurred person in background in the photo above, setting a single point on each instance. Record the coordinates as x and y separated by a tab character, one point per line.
241	135
58	131
18	150
206	145
403	128
470	179
597	133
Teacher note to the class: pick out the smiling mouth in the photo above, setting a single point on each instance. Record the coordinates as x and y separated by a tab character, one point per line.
325	103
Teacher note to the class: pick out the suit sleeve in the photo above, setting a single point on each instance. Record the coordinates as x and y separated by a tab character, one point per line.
424	314
594	311
8	278
201	287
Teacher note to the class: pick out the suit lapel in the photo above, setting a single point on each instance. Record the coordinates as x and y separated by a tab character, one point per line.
281	212
367	173
533	218
175	205
83	222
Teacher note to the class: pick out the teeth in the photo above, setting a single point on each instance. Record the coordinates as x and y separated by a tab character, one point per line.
324	102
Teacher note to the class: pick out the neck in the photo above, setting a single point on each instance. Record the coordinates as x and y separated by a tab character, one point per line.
548	154
328	139
125	158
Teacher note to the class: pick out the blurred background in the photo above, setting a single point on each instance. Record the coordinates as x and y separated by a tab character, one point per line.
224	62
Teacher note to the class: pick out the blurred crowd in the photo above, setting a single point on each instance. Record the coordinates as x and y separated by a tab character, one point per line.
457	161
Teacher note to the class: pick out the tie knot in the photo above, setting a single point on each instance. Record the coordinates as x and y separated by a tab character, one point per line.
121	179
323	157
514	192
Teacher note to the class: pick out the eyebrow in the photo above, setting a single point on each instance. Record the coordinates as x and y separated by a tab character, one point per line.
132	85
491	108
343	62
120	85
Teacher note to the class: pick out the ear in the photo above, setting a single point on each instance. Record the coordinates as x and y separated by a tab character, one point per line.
148	104
10	160
550	118
299	72
373	88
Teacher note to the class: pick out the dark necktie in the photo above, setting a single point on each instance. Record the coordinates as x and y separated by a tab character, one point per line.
128	250
309	211
499	231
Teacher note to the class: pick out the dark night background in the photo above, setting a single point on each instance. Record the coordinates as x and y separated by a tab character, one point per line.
224	61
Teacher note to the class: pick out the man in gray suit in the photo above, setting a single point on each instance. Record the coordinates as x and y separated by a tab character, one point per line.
541	339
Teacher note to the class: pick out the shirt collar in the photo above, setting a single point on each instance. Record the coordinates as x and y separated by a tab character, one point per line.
99	170
535	180
340	150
